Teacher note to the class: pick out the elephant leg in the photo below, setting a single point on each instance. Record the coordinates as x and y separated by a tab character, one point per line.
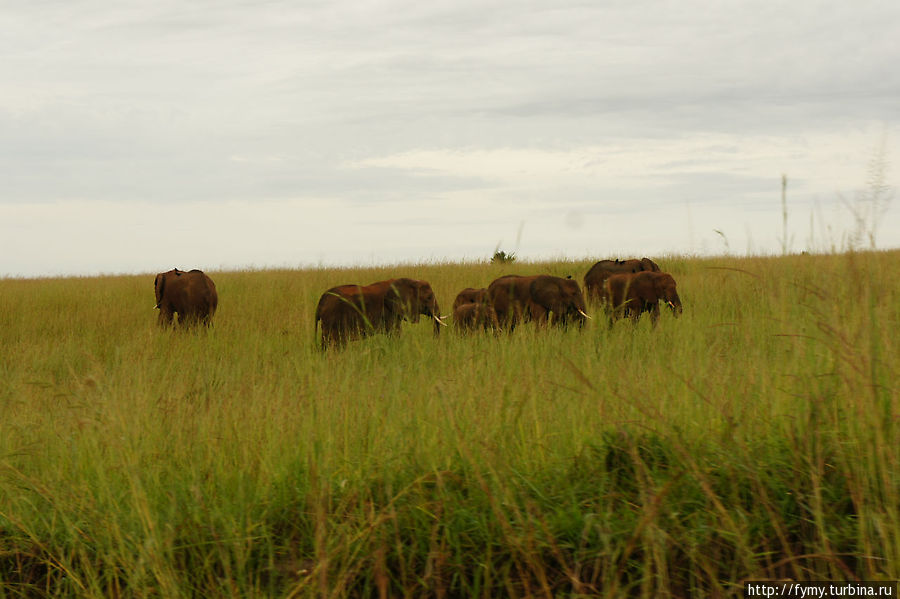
608	311
341	335
165	316
635	313
203	317
326	335
509	318
501	317
393	328
540	315
558	319
489	321
353	329
614	314
337	338
516	315
654	315
333	333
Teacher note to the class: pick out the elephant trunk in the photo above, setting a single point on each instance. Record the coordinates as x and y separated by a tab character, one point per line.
438	321
582	317
575	311
674	302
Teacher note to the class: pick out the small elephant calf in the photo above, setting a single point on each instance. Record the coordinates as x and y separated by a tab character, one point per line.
470	295
471	316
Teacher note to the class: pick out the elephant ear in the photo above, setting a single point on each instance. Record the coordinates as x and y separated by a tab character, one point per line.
392	297
159	283
410	296
545	290
649	264
400	296
660	284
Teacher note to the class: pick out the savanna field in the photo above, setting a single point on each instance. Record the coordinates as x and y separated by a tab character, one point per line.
755	437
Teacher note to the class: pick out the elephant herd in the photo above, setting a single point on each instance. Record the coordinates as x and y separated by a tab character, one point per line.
622	288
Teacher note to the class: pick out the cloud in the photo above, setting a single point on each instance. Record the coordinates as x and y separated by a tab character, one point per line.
649	164
385	118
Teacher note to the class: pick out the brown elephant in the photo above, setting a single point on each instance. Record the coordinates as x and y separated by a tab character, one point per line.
520	299
630	295
353	311
560	297
602	270
191	294
510	296
472	310
470	295
474	315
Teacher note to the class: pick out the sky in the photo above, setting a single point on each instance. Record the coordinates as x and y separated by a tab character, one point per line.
140	136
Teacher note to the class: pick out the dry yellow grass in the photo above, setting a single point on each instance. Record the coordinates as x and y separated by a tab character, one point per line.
754	437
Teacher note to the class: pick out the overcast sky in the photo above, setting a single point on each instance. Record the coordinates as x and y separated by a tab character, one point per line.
139	136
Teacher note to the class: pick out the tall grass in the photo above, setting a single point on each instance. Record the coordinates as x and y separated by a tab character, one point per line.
754	437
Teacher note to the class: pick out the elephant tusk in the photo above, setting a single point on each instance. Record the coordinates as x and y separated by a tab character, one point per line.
671	305
439	321
585	315
156	307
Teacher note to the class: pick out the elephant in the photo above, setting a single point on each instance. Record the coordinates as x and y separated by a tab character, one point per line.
510	297
631	295
599	272
191	294
517	298
560	297
470	295
353	311
472	309
473	315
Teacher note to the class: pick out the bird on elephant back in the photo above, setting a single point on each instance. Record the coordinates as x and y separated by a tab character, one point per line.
631	294
472	310
539	298
190	294
602	270
353	311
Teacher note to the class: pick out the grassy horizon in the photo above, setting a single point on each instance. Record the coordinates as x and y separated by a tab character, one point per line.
754	437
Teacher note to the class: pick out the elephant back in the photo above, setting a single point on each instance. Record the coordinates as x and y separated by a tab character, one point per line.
190	294
596	277
470	295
